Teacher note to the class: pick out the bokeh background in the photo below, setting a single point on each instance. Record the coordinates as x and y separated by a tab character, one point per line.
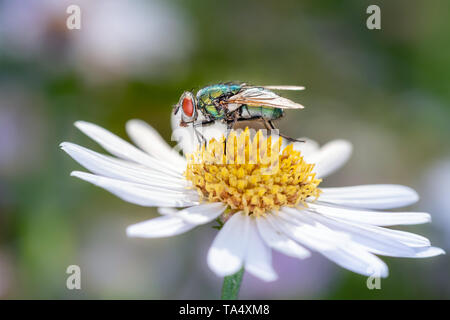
387	91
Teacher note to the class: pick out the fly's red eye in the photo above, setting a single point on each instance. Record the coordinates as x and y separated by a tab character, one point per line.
188	107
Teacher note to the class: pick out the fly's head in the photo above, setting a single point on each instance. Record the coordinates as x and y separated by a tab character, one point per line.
187	105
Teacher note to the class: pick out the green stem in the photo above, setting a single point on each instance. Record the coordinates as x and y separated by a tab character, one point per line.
231	285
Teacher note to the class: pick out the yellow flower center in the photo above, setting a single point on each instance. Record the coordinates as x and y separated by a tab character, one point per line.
251	174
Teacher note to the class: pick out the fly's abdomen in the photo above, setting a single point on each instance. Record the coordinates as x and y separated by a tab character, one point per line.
267	113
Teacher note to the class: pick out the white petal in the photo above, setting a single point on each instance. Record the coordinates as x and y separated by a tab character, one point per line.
356	259
377	196
407	238
374	242
377	218
258	259
122	149
307	148
227	253
167	211
121	169
330	157
187	138
279	241
428	252
342	250
149	140
202	213
215	130
140	194
314	238
159	227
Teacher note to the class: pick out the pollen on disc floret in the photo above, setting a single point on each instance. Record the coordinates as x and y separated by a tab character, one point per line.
251	174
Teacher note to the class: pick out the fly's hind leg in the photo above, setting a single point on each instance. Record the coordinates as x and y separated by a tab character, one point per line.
290	138
270	126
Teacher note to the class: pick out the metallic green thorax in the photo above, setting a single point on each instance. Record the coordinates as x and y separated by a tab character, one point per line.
207	95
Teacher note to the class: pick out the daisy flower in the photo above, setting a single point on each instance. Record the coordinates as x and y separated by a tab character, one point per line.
263	205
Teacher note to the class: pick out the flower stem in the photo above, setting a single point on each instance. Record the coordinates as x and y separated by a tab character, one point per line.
231	285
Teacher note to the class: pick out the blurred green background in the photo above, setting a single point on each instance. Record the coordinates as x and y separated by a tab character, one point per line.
386	91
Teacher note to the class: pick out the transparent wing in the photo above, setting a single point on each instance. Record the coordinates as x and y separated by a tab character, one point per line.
258	96
289	88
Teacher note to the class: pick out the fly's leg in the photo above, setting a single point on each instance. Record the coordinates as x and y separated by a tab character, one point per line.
232	123
204	123
200	137
230	126
269	125
291	139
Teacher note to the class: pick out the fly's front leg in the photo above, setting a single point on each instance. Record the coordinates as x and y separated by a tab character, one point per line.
204	123
200	137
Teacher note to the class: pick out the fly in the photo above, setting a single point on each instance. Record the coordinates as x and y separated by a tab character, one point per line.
235	102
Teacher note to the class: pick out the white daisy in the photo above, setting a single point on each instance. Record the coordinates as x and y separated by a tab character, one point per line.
284	211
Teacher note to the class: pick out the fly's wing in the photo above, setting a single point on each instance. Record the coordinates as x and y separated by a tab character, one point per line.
259	96
289	88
